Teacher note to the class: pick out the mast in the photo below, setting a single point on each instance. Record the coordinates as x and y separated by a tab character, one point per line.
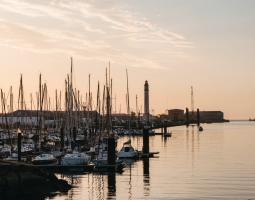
98	106
11	106
21	95
127	96
3	99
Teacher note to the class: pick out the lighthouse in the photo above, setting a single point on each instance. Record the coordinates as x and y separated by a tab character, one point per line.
146	103
146	142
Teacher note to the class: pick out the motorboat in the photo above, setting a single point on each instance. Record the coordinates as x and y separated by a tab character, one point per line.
44	159
127	151
75	158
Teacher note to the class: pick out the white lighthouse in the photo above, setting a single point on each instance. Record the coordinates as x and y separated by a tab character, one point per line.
146	102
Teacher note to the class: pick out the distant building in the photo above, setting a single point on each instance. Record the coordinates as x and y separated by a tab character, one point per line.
176	115
207	116
211	116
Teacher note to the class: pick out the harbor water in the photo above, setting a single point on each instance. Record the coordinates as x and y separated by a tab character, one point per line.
217	163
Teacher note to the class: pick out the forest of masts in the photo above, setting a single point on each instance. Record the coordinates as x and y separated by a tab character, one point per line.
74	112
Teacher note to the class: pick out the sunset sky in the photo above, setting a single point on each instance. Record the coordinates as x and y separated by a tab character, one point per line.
173	44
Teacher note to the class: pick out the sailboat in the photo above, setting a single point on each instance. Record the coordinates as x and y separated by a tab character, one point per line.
127	151
73	158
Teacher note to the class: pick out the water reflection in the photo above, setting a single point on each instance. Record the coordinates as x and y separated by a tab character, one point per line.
146	176
111	185
214	164
129	163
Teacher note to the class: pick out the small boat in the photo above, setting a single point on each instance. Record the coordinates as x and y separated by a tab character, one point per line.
44	159
74	159
127	151
200	128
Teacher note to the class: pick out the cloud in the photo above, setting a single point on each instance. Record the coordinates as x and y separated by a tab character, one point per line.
89	29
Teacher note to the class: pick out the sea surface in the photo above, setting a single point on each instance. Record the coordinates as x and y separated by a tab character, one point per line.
218	163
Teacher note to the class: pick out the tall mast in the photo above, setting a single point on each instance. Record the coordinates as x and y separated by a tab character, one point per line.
127	96
21	95
89	96
5	114
192	100
11	100
11	105
128	106
136	105
71	85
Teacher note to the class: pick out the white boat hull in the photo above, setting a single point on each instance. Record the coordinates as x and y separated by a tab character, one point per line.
75	159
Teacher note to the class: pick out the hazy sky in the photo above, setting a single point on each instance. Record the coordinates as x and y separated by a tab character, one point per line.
173	44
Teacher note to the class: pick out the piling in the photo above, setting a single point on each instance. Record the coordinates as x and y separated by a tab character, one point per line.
62	139
198	117
165	129
19	146
146	145
111	151
74	134
187	117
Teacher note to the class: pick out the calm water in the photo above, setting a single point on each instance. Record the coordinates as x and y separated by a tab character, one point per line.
218	163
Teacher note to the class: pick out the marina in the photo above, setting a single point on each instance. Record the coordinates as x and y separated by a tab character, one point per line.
77	137
105	100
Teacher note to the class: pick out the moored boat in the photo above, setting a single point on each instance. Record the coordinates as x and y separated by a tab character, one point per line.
127	151
44	159
74	159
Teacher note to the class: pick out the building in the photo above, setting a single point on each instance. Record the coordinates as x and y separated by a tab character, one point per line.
176	115
211	116
207	116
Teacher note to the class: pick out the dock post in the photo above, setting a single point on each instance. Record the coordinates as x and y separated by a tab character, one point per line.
198	117
111	151
187	117
19	145
74	134
146	142
62	139
165	129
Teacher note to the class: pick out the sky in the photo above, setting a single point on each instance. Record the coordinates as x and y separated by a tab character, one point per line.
174	44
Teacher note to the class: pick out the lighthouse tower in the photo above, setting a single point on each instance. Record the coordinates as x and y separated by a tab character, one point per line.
146	103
